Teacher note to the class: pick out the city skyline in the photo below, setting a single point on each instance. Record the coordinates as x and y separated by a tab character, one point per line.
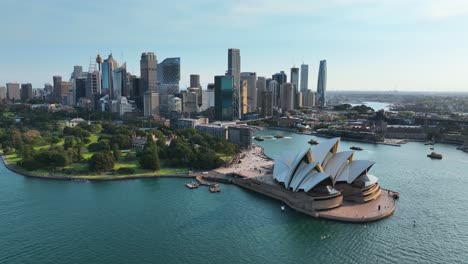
370	45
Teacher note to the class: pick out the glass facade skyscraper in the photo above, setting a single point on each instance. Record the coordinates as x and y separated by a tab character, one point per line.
304	78
168	74
322	84
234	69
224	88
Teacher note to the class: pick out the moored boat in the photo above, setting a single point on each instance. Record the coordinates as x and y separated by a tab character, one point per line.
355	148
192	185
434	155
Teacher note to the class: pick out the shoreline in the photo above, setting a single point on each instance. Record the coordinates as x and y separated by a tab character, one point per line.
96	178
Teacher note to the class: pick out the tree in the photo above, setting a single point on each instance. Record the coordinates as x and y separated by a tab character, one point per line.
69	142
116	151
149	159
101	161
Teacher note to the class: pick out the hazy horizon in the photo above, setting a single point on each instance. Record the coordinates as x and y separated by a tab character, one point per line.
391	45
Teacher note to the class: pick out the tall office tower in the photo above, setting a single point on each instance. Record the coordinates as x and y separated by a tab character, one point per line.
251	78
66	93
224	97
80	88
298	100
138	93
48	88
93	87
295	82
175	104
196	88
266	103
261	86
322	84
57	88
3	93
119	81
281	78
295	78
13	91
194	80
77	72
148	70
108	67
244	97
26	91
210	86
287	96
304	78
168	73
234	68
151	104
274	87
208	100
189	104
309	99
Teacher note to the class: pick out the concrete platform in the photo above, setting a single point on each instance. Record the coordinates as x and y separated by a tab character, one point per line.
365	212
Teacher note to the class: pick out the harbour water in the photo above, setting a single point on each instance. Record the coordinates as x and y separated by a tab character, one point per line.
161	221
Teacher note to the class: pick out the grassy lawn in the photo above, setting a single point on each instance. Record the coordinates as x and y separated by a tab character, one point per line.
226	158
93	138
13	158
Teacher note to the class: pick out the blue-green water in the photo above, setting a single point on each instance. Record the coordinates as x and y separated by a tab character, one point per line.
160	221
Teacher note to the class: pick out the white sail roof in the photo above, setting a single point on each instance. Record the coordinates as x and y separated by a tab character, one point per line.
337	162
308	168
321	150
354	169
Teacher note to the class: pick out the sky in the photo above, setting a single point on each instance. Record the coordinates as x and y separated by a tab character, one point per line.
369	45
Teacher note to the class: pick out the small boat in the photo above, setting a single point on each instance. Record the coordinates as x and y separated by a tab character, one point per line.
279	136
214	188
355	148
434	155
283	207
432	148
259	138
313	142
192	185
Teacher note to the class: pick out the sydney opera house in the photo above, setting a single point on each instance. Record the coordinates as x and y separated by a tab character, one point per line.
325	183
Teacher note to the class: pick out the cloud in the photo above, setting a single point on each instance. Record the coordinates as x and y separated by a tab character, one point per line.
444	9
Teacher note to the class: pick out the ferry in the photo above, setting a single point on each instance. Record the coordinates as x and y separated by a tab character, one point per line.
259	138
279	136
214	188
434	155
355	148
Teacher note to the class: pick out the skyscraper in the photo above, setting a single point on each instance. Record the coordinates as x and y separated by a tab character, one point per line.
148	67
266	103
80	88
148	74
168	73
194	80
13	91
295	79
261	87
322	84
304	78
281	78
26	91
234	68
196	88
224	88
273	86
57	88
108	67
119	81
244	97
251	78
3	93
287	96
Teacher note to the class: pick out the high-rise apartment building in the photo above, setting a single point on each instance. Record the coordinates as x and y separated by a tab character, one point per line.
251	78
13	91
304	78
224	88
322	84
234	69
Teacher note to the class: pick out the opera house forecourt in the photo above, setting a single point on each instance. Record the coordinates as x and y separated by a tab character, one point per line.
325	183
